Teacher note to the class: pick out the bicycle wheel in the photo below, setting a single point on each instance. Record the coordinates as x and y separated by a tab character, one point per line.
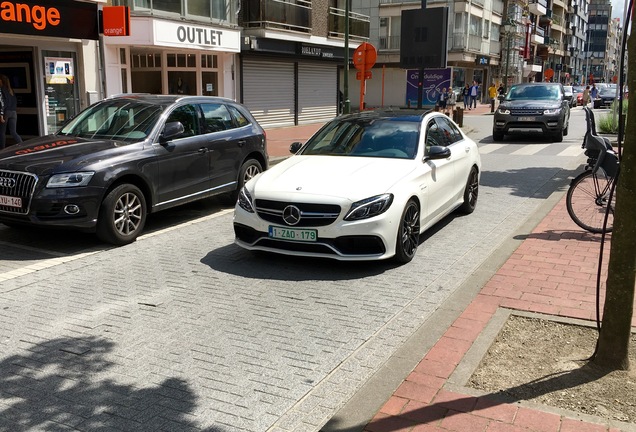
587	198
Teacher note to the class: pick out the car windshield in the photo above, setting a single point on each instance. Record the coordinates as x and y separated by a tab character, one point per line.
534	92
568	90
607	91
383	138
121	119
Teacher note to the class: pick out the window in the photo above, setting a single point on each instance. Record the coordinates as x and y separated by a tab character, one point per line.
216	118
433	135
239	116
189	118
449	132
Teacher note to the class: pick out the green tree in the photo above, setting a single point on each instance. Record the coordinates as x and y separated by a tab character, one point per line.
613	341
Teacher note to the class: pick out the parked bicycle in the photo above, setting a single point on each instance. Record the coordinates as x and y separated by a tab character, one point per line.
589	193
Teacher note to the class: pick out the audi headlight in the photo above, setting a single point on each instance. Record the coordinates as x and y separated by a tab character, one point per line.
245	200
70	179
505	111
552	111
369	207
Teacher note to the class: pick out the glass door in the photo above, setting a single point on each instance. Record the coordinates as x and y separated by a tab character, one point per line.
61	100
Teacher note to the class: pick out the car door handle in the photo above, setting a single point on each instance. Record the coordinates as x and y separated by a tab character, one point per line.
241	143
203	150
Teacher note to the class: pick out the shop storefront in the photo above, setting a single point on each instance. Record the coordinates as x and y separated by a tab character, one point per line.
41	50
172	57
286	83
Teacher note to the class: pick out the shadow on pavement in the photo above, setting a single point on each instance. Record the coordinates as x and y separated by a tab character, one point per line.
57	386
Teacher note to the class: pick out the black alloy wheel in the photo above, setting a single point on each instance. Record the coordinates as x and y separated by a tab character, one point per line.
408	237
471	192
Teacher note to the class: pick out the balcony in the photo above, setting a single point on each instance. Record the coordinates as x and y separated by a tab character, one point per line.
533	64
459	42
358	24
538	7
278	14
498	7
546	19
389	43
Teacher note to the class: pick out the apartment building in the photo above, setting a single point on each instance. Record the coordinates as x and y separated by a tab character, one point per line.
596	50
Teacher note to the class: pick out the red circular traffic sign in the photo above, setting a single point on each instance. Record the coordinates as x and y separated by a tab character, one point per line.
364	56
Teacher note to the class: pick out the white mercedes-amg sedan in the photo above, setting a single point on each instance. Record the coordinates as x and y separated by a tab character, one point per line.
364	187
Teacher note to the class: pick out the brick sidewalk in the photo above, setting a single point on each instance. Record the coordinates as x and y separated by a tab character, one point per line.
552	272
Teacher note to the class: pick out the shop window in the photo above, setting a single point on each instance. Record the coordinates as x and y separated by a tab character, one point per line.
210	82
122	56
209	61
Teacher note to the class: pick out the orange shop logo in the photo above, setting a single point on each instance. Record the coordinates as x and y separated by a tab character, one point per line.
38	16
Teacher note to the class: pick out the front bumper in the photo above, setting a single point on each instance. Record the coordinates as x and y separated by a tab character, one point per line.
511	123
75	208
368	239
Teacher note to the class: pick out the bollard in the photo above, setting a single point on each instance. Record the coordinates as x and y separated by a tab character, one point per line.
458	116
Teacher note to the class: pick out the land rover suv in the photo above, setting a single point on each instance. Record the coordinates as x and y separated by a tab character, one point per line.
533	107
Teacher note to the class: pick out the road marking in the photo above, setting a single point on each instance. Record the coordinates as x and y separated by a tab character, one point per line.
489	148
530	149
571	151
62	259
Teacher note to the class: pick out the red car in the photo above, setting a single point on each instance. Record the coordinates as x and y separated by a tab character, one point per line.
578	91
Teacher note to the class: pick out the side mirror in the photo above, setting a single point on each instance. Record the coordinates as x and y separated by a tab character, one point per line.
437	152
171	130
294	147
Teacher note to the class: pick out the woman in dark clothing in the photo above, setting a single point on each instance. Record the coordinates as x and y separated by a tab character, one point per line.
10	115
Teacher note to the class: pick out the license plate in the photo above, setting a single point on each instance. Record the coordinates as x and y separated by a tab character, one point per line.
296	234
528	119
10	201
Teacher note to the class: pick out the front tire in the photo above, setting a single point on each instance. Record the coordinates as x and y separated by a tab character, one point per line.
497	136
408	237
558	137
122	215
585	207
471	192
248	170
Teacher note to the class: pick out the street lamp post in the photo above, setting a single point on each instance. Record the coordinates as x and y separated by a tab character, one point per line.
509	29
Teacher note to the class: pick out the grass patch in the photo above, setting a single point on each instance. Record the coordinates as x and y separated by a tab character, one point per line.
608	123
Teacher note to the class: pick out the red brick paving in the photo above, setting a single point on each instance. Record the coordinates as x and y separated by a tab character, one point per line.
552	272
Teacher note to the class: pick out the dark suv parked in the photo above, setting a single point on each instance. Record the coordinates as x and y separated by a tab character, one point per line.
540	107
128	156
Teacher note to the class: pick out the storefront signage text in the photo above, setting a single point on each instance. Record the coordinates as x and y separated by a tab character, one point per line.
38	16
198	37
68	19
315	52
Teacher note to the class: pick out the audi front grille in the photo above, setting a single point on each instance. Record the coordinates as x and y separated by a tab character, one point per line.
16	187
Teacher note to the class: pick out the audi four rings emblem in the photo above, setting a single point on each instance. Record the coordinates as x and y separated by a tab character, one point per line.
291	215
7	182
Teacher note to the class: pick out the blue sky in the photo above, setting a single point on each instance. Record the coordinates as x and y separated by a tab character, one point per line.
617	8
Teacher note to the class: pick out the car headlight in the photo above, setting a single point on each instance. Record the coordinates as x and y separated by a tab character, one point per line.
369	207
70	179
245	200
505	111
552	111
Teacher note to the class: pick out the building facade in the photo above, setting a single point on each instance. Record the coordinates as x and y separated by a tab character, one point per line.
50	54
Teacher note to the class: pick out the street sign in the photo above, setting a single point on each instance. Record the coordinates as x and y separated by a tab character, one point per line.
549	73
364	56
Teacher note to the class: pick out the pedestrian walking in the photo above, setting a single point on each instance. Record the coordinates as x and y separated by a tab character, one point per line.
442	99
492	94
9	112
586	96
466	94
593	93
451	102
474	92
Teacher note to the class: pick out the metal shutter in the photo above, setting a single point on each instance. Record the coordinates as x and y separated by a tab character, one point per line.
317	92
268	92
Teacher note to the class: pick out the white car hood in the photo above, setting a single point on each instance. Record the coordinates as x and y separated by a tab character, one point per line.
348	177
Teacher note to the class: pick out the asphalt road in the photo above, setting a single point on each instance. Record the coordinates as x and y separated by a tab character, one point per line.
183	330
